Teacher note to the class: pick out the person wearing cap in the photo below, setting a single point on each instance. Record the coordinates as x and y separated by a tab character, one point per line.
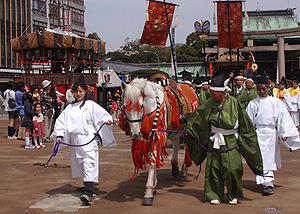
252	92
220	131
292	98
273	125
47	108
78	124
204	94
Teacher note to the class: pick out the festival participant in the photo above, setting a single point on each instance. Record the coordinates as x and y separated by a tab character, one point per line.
27	121
78	123
204	93
281	90
273	125
238	90
252	92
292	98
220	130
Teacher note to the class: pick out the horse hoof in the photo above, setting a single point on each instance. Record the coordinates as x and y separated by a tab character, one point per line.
147	202
175	173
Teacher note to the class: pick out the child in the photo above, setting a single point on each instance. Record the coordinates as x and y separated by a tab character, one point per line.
38	127
27	121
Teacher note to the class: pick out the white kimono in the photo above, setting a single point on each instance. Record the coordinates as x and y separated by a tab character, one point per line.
78	126
272	122
293	104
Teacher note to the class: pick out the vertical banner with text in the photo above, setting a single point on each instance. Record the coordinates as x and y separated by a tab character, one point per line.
236	24
156	29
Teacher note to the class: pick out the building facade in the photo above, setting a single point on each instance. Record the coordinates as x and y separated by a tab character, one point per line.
273	36
14	19
19	17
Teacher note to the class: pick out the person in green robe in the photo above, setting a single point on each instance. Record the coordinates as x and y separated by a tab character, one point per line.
238	90
252	92
220	131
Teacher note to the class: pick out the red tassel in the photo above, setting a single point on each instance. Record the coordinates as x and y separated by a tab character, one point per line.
122	122
145	128
188	160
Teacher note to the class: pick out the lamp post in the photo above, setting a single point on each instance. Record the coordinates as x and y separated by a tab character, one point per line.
156	55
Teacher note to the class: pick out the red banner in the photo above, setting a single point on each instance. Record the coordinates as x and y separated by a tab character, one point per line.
236	24
156	29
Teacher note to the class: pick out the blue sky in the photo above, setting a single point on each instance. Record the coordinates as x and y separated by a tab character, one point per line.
115	20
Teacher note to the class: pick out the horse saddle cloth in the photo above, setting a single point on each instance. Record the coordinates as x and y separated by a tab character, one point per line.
179	106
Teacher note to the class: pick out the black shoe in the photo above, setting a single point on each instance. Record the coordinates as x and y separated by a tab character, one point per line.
86	200
268	191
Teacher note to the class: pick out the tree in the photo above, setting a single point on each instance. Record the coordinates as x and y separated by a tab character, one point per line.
93	36
134	52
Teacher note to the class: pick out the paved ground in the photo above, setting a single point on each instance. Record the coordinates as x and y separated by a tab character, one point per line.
27	187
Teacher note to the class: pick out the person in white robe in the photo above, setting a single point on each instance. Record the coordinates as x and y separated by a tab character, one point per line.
273	125
292	99
77	125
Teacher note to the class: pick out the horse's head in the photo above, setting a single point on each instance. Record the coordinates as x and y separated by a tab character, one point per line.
134	105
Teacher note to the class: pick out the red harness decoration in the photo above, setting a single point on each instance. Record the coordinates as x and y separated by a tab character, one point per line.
143	149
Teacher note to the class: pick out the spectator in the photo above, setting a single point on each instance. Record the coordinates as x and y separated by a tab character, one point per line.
109	99
55	102
1	103
90	94
70	96
20	87
38	127
12	111
47	108
27	121
35	92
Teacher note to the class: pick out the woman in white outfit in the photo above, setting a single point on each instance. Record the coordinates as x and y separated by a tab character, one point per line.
78	123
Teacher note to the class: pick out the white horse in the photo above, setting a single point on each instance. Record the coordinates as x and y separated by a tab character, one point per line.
148	96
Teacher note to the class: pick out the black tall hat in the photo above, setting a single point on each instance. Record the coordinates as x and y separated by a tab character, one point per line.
262	79
80	81
219	77
283	81
252	76
197	79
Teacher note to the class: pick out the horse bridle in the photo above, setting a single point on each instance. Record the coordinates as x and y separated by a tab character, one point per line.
137	120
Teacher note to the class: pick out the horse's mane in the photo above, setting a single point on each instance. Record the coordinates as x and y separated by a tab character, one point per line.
134	88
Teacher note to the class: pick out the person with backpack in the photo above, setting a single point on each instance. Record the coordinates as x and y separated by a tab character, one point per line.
10	107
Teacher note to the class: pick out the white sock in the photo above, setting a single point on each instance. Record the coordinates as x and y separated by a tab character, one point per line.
35	140
27	141
40	140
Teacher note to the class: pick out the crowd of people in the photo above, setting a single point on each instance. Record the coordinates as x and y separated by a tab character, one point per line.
249	116
32	111
238	116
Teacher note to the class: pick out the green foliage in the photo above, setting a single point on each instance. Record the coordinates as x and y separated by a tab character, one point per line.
93	36
144	73
134	52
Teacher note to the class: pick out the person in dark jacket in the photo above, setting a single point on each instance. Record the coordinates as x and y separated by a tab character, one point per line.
27	121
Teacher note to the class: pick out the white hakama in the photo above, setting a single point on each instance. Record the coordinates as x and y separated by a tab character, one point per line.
78	126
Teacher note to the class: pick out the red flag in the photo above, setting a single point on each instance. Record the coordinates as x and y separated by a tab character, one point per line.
156	29
236	24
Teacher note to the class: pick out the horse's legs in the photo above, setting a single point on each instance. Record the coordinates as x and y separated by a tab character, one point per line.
150	186
184	169
174	160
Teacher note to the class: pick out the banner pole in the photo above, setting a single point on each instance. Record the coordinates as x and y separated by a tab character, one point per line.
171	42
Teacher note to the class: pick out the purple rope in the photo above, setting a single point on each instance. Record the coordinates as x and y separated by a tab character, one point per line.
56	146
220	111
170	131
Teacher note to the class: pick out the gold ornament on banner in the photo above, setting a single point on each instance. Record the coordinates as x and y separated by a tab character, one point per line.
158	25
